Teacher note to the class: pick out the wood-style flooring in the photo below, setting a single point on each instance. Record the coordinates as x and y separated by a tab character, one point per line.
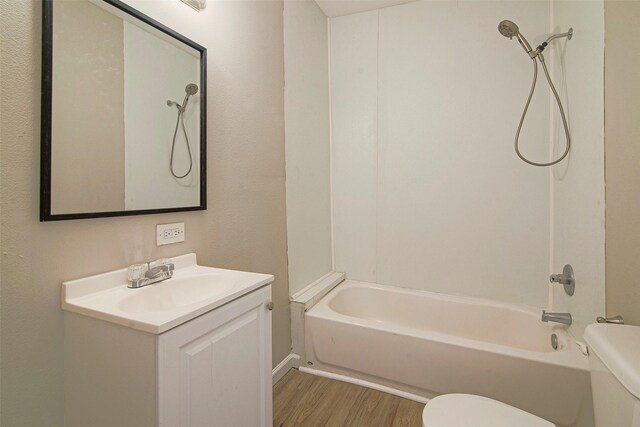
301	399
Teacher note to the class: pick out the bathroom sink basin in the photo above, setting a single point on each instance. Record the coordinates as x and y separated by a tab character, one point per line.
192	291
175	293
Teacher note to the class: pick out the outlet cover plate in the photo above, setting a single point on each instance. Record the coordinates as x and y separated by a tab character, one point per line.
169	233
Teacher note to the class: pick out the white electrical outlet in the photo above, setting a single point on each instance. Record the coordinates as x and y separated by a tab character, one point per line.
169	233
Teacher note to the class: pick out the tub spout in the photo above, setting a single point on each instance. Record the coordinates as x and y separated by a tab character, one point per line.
564	318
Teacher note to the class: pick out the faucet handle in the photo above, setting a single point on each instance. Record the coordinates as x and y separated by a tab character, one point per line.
567	278
136	272
618	320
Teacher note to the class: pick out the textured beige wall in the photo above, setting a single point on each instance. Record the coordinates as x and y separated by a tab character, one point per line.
622	154
243	228
87	129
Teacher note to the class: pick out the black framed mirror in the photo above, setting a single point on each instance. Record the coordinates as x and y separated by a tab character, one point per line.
123	126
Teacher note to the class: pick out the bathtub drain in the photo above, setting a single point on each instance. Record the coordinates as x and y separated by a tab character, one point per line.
554	341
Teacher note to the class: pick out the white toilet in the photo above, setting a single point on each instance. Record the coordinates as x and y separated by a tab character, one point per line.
614	362
456	410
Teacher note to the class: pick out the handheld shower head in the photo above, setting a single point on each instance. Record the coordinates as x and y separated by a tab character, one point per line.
191	89
510	29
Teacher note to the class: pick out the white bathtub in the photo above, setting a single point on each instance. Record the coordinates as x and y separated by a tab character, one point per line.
427	344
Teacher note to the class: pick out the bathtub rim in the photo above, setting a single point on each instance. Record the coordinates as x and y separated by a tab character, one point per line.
569	356
522	308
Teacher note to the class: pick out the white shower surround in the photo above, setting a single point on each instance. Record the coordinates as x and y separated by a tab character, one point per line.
578	228
425	100
333	8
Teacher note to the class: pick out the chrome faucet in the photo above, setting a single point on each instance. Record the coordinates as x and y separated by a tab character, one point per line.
564	318
140	275
566	278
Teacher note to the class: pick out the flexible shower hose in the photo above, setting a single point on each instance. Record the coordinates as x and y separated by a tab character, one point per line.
526	107
179	123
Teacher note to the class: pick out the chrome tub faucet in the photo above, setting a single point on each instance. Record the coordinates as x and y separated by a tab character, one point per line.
564	318
141	275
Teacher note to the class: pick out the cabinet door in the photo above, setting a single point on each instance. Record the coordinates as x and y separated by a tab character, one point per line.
216	369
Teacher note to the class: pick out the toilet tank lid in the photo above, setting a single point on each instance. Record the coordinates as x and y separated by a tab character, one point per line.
618	346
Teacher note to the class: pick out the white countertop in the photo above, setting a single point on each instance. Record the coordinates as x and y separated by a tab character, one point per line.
192	291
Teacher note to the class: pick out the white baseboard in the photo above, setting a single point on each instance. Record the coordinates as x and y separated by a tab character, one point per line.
364	383
291	361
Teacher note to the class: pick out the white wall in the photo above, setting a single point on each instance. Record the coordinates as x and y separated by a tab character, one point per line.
150	123
578	185
307	143
428	192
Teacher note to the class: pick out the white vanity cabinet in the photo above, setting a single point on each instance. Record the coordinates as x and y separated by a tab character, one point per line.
216	369
166	360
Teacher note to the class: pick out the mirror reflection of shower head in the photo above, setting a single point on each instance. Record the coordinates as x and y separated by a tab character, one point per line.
510	29
191	89
171	103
